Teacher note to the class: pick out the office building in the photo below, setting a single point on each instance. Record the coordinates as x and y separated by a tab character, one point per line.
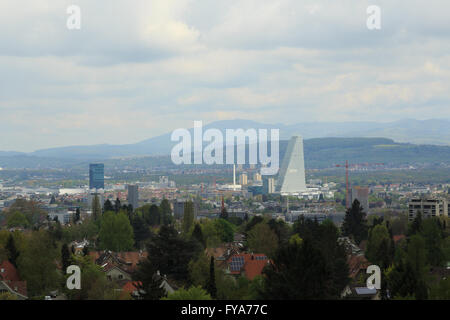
243	179
133	195
362	194
97	176
428	208
256	190
268	185
257	177
292	172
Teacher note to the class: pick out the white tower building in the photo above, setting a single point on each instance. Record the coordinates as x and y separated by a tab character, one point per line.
292	173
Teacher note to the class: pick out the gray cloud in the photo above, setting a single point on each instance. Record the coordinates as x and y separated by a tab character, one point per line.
139	69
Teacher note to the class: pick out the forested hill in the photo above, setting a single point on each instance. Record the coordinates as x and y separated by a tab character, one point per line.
319	153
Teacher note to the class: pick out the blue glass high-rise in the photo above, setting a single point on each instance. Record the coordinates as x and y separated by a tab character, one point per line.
97	176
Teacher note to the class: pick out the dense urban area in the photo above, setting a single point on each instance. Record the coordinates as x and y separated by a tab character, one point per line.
225	232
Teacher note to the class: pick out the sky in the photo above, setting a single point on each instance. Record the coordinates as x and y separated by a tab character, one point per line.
140	68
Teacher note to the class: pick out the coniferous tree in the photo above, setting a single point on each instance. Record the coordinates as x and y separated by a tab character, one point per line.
188	217
117	205
416	225
149	281
141	231
65	257
224	214
354	224
108	206
77	215
197	234
171	253
166	212
298	272
96	208
13	253
212	289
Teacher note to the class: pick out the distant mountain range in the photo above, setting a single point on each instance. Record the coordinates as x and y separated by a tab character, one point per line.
413	138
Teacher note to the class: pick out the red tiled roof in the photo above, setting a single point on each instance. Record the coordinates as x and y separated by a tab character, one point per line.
252	267
398	237
9	271
19	287
127	261
10	276
356	264
130	286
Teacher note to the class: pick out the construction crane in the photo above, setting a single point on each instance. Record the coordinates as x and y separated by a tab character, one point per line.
353	165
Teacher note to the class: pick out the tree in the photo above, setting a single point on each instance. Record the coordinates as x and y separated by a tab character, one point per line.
166	212
298	272
37	264
408	275
197	234
401	280
416	225
212	290
141	231
432	234
30	209
188	217
224	214
96	208
440	290
108	206
193	293
225	229
77	215
281	229
416	255
171	254
151	214
94	284
17	220
261	239
199	269
378	246
231	288
117	205
12	252
355	222
149	281
253	222
323	237
7	296
116	233
65	257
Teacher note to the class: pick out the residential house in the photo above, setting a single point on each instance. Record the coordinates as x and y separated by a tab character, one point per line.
118	266
10	281
247	264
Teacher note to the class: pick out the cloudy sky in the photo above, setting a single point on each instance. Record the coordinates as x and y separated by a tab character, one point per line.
139	68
